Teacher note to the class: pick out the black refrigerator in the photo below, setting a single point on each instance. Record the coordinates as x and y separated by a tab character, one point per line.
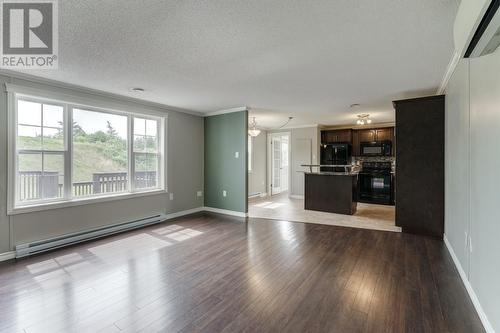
335	154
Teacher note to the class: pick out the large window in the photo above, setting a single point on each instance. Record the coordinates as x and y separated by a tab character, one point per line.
65	152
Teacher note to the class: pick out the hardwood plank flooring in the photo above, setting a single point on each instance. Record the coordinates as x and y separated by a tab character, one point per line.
213	273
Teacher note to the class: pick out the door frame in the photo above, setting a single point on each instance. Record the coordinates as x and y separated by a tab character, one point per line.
270	162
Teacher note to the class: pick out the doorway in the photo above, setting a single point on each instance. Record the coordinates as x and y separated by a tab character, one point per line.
279	162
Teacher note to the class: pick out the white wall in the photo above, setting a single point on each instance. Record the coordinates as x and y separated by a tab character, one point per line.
257	178
472	179
457	193
184	178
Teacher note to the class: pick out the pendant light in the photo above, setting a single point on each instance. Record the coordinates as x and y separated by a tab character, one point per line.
253	131
363	119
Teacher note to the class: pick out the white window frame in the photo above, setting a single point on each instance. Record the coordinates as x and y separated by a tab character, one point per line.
69	103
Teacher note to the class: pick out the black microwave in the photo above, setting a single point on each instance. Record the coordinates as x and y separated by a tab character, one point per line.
376	148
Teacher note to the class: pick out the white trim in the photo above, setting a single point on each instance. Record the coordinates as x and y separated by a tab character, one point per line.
81	201
449	72
184	212
67	200
296	196
475	300
90	91
354	126
225	211
257	195
232	110
7	255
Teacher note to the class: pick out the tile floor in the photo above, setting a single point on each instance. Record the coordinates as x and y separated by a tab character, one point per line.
282	207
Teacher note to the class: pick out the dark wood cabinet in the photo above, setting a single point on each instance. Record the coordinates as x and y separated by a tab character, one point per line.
367	135
372	134
334	136
384	134
420	165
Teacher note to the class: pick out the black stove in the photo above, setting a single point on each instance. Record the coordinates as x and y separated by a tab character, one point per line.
376	183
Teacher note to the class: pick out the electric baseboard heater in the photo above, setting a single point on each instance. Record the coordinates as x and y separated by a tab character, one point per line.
24	250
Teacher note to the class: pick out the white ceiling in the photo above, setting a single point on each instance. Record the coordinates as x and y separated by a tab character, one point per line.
309	59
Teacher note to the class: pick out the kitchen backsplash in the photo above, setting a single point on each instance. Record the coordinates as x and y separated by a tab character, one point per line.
360	159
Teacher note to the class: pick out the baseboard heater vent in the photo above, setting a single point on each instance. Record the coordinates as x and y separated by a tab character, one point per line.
28	249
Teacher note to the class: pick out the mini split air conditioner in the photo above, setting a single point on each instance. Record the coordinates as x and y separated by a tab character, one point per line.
477	28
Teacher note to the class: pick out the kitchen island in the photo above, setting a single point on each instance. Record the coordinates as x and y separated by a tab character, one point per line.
333	192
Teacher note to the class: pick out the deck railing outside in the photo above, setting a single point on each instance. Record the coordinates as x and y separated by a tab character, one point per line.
35	185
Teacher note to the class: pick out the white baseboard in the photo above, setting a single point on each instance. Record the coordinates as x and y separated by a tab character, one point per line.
184	212
295	196
225	212
7	255
257	195
477	305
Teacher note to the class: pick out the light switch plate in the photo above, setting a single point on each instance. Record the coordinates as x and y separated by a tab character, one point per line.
171	196
199	193
224	193
237	154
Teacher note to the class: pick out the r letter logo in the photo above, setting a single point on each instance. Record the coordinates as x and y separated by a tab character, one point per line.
29	34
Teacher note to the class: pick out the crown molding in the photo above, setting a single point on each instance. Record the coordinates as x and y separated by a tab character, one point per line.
449	72
216	113
95	92
370	126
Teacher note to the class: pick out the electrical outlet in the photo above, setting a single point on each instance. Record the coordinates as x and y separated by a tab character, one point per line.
199	193
224	193
171	196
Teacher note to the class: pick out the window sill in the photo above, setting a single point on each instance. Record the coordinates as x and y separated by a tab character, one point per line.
81	201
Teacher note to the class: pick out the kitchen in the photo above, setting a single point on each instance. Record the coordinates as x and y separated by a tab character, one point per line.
317	203
364	154
371	174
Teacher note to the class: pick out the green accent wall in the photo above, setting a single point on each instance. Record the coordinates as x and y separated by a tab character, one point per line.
225	135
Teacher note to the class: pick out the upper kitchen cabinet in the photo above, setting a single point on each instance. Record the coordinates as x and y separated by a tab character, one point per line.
420	165
334	136
367	135
376	134
370	135
384	134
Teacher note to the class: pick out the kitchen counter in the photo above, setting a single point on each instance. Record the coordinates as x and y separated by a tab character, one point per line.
348	173
333	192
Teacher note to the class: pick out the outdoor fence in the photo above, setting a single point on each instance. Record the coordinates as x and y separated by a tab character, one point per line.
35	185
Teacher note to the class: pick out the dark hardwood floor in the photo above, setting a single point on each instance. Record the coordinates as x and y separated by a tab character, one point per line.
209	273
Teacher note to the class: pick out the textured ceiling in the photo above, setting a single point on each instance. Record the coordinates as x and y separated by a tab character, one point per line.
310	58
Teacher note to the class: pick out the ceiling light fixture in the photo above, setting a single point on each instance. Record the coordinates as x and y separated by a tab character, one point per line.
137	90
253	131
363	119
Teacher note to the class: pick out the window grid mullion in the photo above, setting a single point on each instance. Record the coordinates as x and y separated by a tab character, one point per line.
41	125
131	155
68	155
159	157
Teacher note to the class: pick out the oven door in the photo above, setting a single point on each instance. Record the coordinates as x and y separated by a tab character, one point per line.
375	188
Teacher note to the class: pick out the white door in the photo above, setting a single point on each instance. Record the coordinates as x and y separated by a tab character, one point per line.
280	149
284	163
276	165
